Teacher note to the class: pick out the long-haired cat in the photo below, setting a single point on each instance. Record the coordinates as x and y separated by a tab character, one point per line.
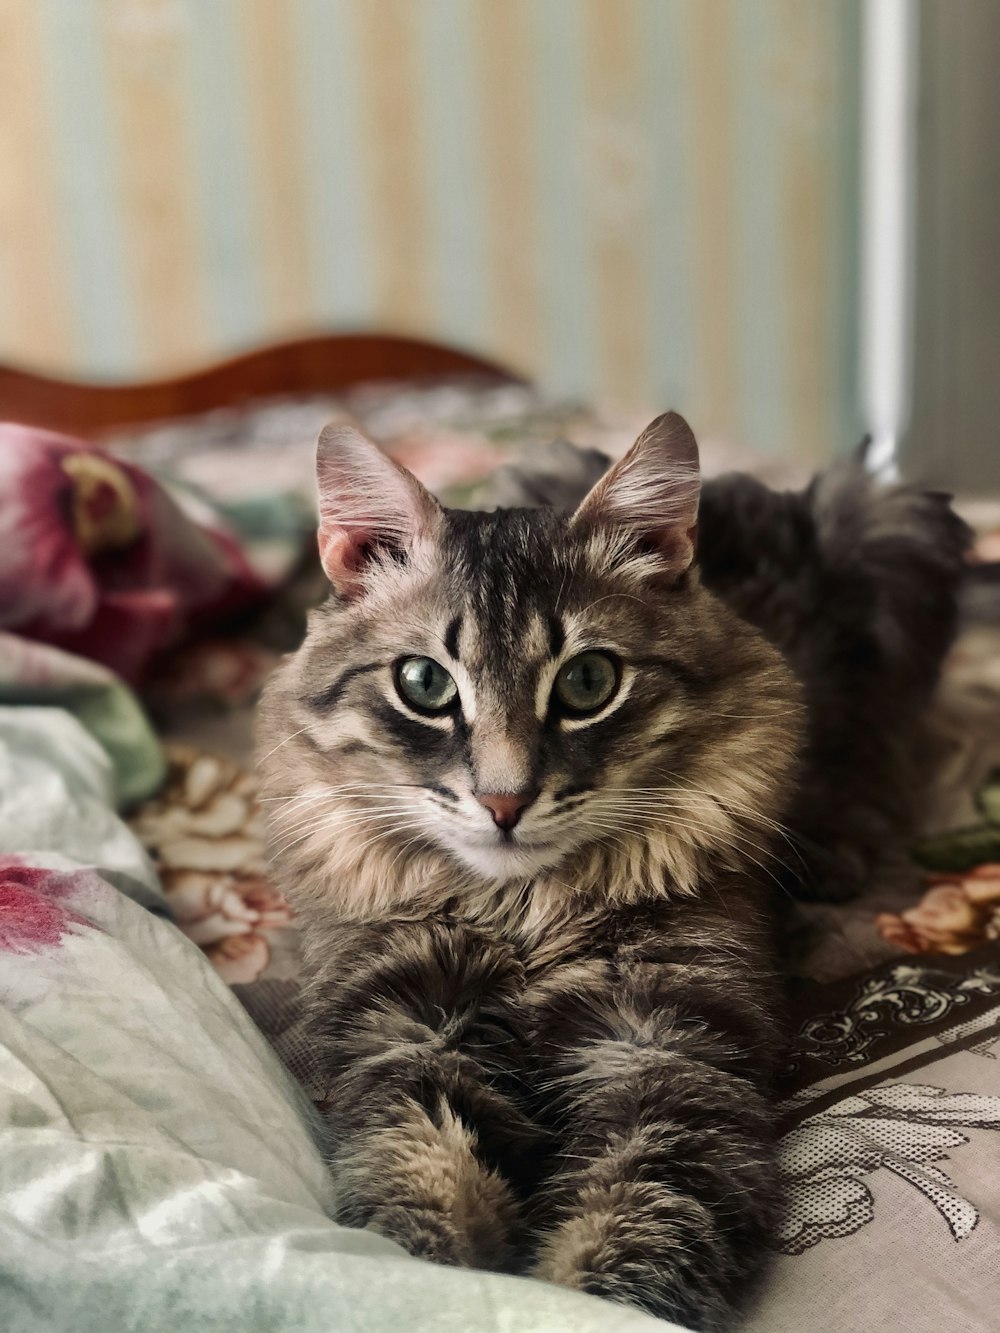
530	783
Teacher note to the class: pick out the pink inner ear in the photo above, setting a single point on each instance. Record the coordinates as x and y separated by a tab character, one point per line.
678	544
342	553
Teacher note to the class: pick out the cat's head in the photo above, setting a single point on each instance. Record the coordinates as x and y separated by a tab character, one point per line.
521	693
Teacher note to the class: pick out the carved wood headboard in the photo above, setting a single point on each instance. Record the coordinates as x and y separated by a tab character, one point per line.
322	364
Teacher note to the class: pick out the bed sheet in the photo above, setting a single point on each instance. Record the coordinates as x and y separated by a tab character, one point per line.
894	1069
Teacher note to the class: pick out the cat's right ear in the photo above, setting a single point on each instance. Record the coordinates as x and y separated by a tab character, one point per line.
651	495
368	504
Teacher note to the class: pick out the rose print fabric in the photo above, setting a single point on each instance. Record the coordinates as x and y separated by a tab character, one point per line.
101	561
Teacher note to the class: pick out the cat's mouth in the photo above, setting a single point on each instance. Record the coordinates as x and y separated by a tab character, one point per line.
508	838
506	854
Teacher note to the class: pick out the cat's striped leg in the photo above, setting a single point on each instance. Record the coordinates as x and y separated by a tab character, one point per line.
666	1190
417	1178
406	1015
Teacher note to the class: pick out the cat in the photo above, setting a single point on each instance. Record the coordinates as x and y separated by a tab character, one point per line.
531	785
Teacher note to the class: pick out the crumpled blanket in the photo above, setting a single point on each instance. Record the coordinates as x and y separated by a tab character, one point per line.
36	673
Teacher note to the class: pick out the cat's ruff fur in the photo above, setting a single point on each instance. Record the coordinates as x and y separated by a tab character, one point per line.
551	1049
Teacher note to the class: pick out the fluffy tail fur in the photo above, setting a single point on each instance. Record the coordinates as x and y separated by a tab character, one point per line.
858	583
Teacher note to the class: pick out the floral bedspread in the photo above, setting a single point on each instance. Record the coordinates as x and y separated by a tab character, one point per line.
892	1091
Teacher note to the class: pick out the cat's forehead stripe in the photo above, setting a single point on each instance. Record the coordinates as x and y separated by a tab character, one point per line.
557	636
452	636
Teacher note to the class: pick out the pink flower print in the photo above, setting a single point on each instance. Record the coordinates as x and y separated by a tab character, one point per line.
215	910
958	912
31	918
240	959
100	560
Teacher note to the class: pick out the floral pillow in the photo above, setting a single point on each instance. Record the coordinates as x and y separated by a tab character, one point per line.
101	560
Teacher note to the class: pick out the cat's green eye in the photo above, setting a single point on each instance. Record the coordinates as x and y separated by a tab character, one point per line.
587	683
425	685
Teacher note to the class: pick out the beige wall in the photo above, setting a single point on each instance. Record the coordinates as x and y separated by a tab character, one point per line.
651	200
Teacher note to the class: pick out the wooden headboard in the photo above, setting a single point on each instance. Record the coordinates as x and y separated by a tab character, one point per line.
318	365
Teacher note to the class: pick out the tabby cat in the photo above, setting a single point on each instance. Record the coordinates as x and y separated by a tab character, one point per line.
531	783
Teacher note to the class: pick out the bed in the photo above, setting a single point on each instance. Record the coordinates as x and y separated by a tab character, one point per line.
158	1152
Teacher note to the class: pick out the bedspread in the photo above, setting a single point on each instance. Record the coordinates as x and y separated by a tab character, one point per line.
158	1166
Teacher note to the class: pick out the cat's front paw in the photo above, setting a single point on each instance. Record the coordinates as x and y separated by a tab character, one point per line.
632	1261
423	1186
424	1233
445	1234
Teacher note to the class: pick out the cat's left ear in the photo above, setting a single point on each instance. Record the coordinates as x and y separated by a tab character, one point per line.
367	504
652	494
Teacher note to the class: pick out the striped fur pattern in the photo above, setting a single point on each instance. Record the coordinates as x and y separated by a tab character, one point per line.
549	1046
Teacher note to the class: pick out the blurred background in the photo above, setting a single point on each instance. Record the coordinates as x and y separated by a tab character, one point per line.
779	216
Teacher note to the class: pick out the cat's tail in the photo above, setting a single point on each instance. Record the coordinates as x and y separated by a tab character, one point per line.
889	564
899	552
859	583
856	580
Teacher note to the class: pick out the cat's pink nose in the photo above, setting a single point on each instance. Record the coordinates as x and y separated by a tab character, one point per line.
506	807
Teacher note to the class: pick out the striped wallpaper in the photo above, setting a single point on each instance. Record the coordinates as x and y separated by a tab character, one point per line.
651	201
